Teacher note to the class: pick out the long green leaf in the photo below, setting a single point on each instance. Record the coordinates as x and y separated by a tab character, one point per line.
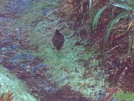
110	27
113	22
123	6
97	16
90	4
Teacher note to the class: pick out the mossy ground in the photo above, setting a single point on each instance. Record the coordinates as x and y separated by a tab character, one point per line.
125	96
10	83
65	65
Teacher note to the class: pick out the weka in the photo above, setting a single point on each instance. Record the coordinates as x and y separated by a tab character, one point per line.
58	40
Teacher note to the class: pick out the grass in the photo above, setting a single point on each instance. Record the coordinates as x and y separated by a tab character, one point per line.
125	96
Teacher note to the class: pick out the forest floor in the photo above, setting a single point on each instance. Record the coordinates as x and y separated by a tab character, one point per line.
27	51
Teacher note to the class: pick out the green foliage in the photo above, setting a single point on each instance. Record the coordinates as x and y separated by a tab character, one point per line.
125	96
126	8
110	27
123	6
97	16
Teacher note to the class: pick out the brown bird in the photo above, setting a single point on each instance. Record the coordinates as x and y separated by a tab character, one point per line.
58	40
